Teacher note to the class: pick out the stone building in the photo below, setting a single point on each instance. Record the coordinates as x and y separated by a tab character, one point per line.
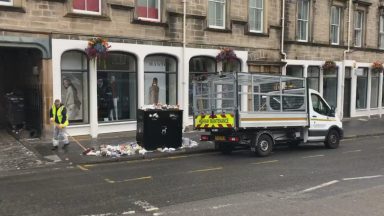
42	55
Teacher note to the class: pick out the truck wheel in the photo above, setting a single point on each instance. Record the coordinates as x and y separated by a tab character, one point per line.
225	148
264	145
333	139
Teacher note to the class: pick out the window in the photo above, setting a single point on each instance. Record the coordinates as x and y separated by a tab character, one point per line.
359	17
160	77
330	87
295	71
117	88
256	15
74	89
148	10
313	77
216	14
375	89
302	20
381	33
335	25
319	105
6	2
362	86
87	6
199	68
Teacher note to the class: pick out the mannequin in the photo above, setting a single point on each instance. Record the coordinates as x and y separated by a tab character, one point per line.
154	92
114	111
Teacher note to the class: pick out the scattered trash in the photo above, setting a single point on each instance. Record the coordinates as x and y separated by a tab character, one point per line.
128	149
159	106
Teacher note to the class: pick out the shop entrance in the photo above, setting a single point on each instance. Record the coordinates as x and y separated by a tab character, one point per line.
347	93
20	91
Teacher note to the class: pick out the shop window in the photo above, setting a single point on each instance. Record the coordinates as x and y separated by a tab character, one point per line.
295	71
330	87
216	13
256	15
74	89
160	80
313	75
302	20
117	87
87	6
6	2
148	10
375	79
335	25
362	86
199	68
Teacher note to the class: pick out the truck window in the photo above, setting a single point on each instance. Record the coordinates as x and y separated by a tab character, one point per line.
319	105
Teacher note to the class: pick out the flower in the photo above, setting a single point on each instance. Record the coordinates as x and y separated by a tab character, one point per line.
329	66
97	47
226	55
377	66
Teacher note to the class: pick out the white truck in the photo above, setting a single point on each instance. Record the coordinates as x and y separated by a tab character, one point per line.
259	111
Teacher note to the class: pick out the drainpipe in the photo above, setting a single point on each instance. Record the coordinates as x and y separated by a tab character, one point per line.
183	76
282	34
344	58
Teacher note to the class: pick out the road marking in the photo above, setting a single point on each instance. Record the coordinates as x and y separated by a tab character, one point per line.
89	165
266	162
206	170
320	186
313	156
82	168
176	157
146	206
362	177
221	206
353	151
128	213
128	180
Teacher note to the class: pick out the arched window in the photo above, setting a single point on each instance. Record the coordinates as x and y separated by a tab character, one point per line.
199	68
160	79
74	89
117	87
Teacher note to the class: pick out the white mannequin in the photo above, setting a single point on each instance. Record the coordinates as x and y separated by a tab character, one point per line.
114	112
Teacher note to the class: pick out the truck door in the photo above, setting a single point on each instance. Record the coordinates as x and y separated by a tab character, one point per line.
321	118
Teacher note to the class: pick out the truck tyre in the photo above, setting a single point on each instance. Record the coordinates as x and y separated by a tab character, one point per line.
264	145
225	148
333	139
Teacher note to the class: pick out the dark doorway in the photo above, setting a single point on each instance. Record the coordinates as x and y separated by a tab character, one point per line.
347	94
20	91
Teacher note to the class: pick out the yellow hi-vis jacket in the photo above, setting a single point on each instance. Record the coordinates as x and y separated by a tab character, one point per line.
60	115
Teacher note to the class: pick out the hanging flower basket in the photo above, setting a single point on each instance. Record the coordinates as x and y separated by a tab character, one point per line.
227	56
329	66
377	67
97	48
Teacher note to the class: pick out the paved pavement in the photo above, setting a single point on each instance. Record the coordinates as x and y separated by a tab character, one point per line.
27	154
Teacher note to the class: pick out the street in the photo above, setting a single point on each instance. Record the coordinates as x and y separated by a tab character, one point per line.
308	180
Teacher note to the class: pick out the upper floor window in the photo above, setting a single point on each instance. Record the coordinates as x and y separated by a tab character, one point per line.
335	25
381	33
256	15
216	14
302	20
87	6
6	2
358	26
148	10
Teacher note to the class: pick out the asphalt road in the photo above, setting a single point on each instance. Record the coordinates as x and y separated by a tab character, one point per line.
309	180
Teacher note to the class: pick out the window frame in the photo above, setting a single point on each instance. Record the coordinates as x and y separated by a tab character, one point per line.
150	19
306	21
314	77
262	9
366	77
337	25
381	31
224	2
358	29
86	11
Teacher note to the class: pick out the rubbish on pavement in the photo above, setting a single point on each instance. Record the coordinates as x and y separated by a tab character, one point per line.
132	148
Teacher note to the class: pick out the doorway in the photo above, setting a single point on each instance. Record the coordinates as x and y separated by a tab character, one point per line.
347	94
20	91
